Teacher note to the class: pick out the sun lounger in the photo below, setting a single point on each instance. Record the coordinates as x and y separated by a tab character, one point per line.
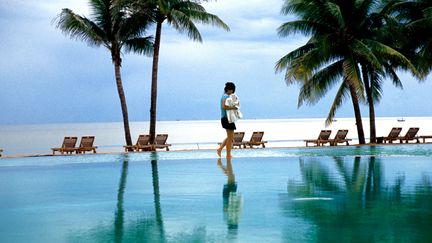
425	137
160	142
256	140
68	145
142	144
393	135
410	135
323	138
238	140
340	137
86	144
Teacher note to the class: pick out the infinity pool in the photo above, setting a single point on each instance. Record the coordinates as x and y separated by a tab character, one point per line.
342	194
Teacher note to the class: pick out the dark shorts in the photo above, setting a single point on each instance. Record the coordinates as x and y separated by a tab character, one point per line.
227	125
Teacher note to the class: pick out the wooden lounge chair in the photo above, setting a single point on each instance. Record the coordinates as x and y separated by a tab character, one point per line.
393	135
160	142
323	138
410	135
340	137
86	144
68	145
256	140
238	139
142	144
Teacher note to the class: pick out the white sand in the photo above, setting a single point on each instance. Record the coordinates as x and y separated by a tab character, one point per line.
39	139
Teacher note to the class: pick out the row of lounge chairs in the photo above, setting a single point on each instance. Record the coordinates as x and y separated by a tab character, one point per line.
324	137
394	135
69	143
411	135
255	140
143	143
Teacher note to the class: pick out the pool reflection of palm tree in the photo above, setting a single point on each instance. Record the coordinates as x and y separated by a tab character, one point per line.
119	214
127	230
232	201
153	231
362	207
158	210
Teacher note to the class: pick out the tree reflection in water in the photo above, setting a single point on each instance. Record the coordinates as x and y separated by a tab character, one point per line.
142	228
351	202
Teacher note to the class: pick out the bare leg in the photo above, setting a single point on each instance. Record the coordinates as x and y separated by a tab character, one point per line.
223	144
229	141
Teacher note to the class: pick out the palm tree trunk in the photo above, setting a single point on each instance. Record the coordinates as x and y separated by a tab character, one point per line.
117	63
156	47
371	108
357	113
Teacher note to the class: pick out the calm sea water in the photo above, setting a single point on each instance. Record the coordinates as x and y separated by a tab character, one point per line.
342	194
18	140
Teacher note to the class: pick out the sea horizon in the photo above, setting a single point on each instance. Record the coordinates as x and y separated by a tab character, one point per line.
38	139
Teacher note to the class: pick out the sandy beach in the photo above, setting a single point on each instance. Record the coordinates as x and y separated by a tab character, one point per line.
24	140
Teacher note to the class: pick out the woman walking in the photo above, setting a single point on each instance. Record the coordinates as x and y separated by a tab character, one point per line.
229	127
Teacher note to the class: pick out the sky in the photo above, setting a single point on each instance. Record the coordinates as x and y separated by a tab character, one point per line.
46	77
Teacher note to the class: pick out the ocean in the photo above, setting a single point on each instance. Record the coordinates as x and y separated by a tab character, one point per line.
22	140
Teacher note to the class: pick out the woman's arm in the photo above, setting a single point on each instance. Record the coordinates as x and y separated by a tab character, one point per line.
226	107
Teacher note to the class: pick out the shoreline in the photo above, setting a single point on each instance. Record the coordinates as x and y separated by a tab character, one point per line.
208	150
37	140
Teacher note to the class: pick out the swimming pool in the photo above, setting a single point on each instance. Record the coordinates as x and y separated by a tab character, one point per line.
355	194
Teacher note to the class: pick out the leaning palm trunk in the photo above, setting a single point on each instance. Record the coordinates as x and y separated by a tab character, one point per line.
357	114
371	111
116	60
371	104
156	47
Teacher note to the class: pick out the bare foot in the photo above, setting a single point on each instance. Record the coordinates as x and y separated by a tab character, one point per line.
219	151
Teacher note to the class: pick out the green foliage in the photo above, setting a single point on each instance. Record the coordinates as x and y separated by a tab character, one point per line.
347	36
111	25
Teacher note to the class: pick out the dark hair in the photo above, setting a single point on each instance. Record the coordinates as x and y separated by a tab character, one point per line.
229	86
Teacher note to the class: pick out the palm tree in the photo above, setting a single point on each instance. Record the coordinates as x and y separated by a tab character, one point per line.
416	18
182	15
341	44
115	28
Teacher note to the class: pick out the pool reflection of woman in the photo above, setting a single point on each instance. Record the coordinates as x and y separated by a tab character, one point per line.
232	201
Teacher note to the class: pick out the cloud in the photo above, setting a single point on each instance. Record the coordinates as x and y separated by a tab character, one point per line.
47	77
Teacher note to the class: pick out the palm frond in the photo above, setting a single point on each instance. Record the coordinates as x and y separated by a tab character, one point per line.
81	28
352	75
304	27
362	51
284	62
391	73
207	18
317	86
341	95
101	14
142	45
183	24
394	56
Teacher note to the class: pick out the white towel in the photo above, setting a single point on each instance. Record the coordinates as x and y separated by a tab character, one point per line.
233	115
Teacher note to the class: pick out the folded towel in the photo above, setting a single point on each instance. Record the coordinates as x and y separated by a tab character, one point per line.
233	115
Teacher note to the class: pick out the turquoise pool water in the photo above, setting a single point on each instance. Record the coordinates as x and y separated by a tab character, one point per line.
342	194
